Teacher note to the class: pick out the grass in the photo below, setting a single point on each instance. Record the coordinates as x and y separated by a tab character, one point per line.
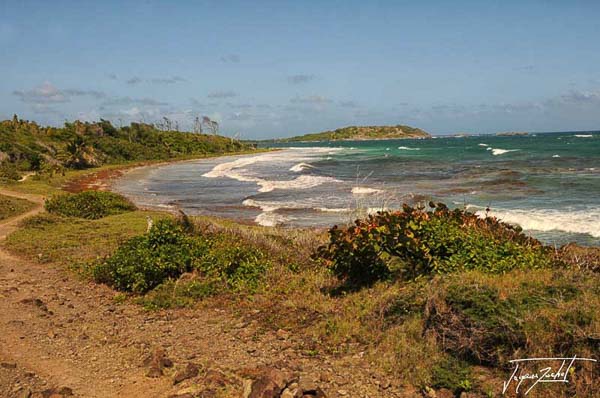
454	331
10	207
67	241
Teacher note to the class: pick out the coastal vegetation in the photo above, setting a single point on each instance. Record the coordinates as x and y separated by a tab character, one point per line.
415	242
26	147
10	207
362	133
449	299
88	204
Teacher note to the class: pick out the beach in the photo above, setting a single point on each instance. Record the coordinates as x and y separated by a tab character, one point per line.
520	179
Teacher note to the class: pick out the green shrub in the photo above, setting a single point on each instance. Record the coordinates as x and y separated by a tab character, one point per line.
415	242
173	294
91	205
8	172
146	261
452	374
239	265
489	321
166	252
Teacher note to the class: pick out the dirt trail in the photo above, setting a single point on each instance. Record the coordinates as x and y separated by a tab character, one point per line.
59	331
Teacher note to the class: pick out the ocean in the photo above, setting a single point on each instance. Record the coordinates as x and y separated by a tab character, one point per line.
548	183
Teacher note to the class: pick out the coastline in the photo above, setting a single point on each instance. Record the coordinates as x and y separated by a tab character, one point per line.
100	180
287	205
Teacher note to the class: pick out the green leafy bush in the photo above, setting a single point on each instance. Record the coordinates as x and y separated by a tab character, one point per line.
8	172
91	205
162	255
415	242
452	374
239	265
146	261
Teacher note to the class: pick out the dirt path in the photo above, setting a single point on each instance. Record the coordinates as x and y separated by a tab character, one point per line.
58	331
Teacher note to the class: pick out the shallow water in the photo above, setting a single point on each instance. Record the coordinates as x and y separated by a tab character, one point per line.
547	183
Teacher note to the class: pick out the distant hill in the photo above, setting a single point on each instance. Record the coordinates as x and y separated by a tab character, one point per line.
362	133
26	146
511	133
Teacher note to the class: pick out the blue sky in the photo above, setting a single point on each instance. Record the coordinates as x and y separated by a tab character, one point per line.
281	68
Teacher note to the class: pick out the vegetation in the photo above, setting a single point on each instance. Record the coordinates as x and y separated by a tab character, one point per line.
450	298
144	262
166	252
415	242
26	146
362	133
10	207
88	204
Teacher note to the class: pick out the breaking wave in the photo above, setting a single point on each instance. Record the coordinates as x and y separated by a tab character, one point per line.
405	148
365	190
580	221
498	151
270	219
301	166
237	170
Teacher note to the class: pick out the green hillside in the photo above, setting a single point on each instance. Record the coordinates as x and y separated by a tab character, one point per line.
28	147
363	133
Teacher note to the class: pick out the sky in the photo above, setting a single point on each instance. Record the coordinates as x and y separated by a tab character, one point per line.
267	69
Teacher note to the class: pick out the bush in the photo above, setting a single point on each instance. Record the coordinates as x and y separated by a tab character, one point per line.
91	205
146	261
451	374
9	172
167	251
415	242
239	265
488	321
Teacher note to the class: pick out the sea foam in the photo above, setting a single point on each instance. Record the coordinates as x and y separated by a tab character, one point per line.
237	170
365	190
405	148
301	166
498	151
579	221
270	219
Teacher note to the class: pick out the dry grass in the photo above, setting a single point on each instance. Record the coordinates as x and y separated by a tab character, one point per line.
10	207
401	327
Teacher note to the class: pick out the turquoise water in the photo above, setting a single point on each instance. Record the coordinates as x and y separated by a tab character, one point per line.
547	183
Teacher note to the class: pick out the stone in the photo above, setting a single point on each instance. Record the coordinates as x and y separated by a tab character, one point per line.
156	362
57	392
444	393
8	365
282	334
190	371
215	378
36	302
264	387
289	393
26	393
317	392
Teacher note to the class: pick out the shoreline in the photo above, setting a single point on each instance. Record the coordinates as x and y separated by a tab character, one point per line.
100	180
106	179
